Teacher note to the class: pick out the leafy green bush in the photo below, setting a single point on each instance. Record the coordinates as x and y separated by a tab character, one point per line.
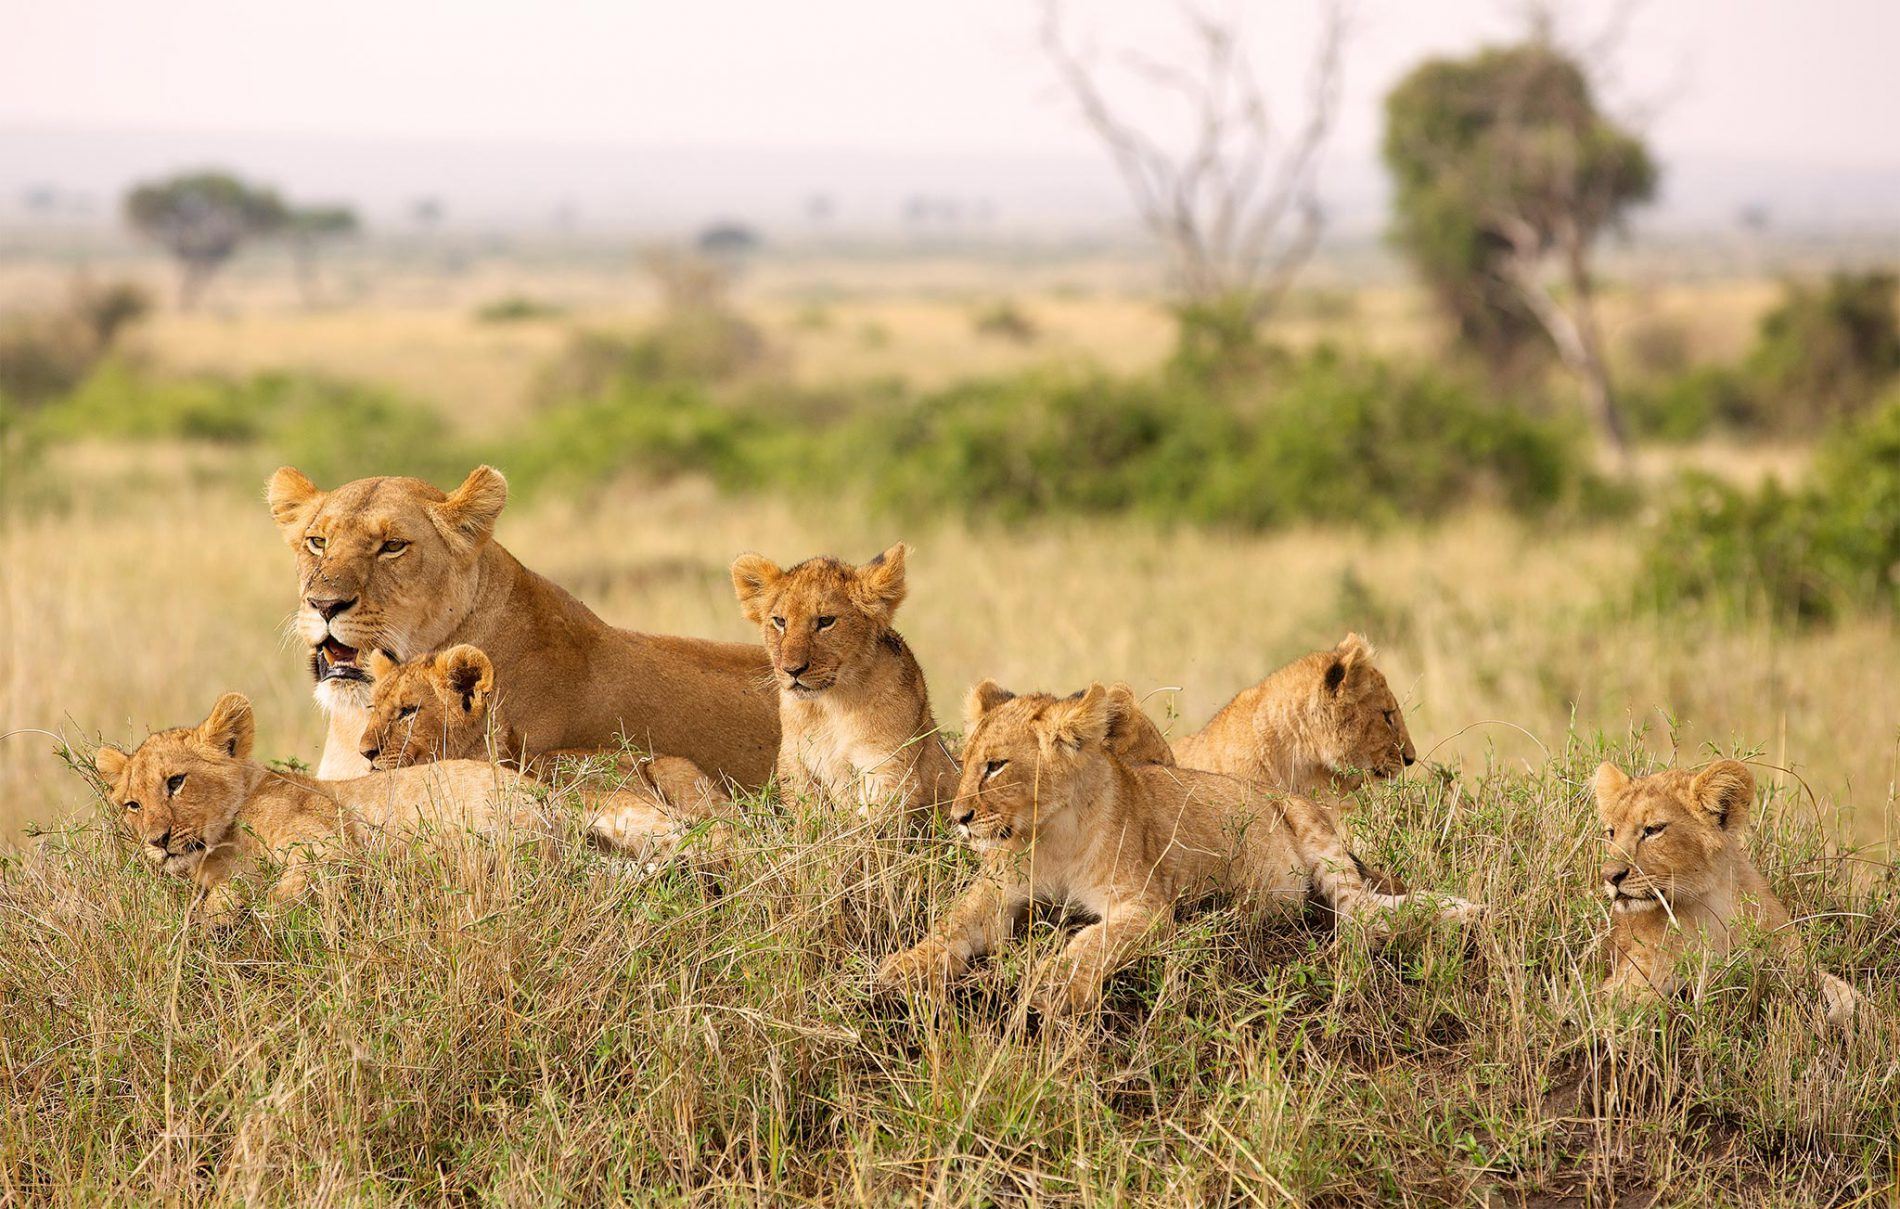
1329	438
332	430
701	345
517	308
1810	553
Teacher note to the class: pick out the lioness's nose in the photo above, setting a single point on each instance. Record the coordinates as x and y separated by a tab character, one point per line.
329	606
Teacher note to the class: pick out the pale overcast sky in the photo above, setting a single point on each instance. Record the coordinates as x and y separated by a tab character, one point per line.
1795	82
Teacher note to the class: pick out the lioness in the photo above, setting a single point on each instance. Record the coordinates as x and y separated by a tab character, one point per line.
1682	890
1323	723
854	715
445	707
1061	818
393	564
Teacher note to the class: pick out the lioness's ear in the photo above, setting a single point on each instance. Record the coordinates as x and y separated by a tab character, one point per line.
984	696
878	586
229	729
380	665
467	518
467	675
293	499
753	575
110	762
1726	789
1078	721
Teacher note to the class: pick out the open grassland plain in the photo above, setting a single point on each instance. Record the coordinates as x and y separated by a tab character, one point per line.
546	1021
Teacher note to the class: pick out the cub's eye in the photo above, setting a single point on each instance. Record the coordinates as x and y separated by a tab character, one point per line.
315	543
1609	833
394	546
825	623
993	767
172	784
778	623
407	711
132	807
1653	829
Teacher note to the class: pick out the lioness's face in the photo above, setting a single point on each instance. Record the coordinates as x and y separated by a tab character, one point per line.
1666	835
382	563
179	793
1366	735
822	620
1029	762
432	708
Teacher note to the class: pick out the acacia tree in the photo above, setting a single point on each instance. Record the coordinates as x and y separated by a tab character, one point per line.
202	219
1236	204
1507	175
308	229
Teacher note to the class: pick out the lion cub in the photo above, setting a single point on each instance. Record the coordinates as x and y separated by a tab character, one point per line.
204	811
445	707
854	715
1682	890
1326	722
1061	817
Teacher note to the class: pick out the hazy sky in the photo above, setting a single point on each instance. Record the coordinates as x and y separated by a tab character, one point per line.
1799	80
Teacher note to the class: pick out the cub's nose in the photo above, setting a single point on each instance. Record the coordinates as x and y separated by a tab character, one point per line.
962	817
1409	759
328	607
162	840
796	672
370	753
1614	874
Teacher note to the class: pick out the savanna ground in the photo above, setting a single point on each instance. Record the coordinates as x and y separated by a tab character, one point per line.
546	1023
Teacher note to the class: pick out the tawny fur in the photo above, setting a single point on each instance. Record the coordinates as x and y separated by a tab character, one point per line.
855	723
203	810
424	574
1319	726
1683	893
1061	818
448	706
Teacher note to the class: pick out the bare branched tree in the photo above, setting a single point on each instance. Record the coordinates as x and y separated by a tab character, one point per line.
1237	207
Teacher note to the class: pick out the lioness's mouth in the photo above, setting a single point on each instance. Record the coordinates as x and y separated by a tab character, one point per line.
331	660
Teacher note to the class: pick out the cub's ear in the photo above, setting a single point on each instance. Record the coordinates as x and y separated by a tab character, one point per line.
1078	721
1132	736
467	676
754	575
1726	789
1352	653
878	586
293	500
984	696
110	762
1608	782
230	729
380	665
467	518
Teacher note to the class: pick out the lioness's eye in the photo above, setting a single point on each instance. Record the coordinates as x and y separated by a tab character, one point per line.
778	623
394	546
171	785
993	767
132	806
407	711
1653	829
315	543
825	623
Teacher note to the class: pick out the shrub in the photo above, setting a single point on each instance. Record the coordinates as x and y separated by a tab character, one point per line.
684	346
1005	321
1807	554
45	355
517	308
1825	353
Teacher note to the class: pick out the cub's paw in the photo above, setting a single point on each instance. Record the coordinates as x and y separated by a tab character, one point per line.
926	967
1066	996
1840	1002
